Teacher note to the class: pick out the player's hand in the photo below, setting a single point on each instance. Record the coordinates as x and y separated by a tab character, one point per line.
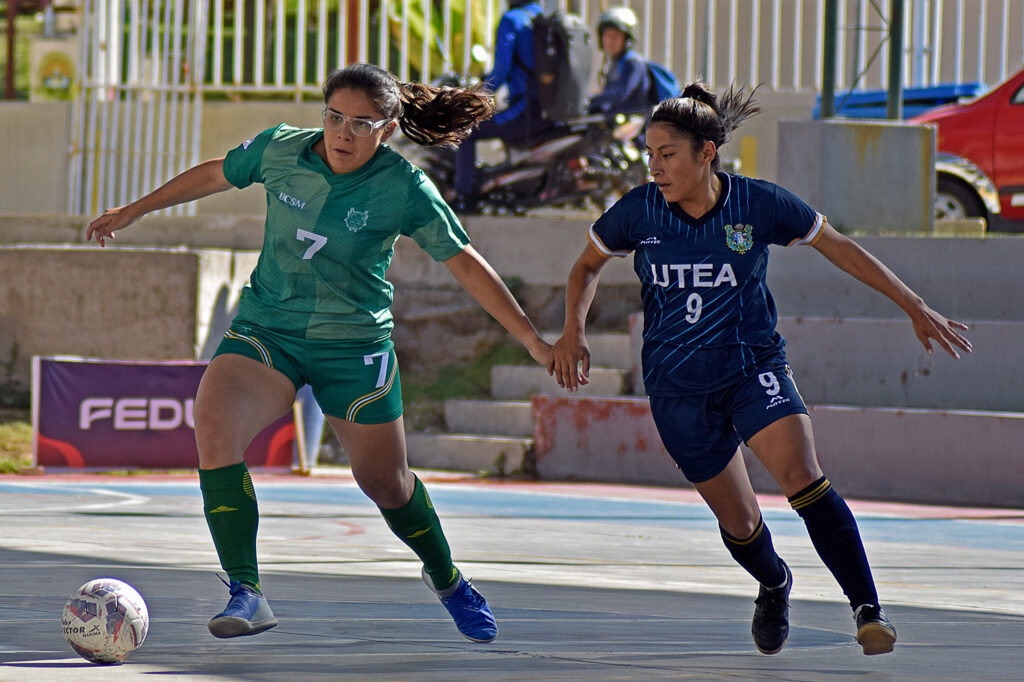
929	325
113	219
571	361
541	352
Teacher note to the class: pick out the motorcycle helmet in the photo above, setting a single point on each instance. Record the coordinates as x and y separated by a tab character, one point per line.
621	18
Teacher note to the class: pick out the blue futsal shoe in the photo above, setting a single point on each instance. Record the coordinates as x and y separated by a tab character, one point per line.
468	609
247	613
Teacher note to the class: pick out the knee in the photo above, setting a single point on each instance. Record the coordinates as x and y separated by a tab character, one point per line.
215	447
795	479
739	520
389	490
740	527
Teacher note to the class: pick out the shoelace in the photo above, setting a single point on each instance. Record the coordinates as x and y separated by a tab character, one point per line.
771	598
471	600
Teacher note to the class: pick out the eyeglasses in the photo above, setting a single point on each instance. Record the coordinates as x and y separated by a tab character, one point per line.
360	127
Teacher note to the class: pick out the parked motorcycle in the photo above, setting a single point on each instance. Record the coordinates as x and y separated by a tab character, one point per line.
586	162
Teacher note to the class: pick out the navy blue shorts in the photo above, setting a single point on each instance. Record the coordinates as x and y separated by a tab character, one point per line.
702	431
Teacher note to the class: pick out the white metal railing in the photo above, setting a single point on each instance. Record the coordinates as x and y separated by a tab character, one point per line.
775	42
139	110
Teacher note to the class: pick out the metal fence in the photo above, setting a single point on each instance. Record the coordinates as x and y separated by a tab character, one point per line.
775	42
138	112
148	64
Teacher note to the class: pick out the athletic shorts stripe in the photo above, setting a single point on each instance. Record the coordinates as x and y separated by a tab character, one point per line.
359	403
812	496
260	348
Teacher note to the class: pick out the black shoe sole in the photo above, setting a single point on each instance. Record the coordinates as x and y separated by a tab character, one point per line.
229	626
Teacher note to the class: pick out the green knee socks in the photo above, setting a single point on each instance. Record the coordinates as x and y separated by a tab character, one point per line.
417	525
229	503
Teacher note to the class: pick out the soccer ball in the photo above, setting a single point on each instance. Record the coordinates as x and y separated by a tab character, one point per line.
105	620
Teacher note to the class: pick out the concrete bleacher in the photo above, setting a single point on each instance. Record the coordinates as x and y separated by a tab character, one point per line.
890	421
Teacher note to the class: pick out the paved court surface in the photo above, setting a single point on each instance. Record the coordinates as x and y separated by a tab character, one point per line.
588	582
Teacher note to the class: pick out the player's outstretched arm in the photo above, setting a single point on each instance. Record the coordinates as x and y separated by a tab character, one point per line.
571	353
477	277
850	257
195	183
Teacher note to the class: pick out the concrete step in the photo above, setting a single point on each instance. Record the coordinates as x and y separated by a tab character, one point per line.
511	382
878	362
872	453
496	455
607	349
489	417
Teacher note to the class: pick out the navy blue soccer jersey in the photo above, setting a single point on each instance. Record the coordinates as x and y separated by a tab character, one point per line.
708	315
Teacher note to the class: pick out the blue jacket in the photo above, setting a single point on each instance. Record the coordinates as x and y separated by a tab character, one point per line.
513	60
626	87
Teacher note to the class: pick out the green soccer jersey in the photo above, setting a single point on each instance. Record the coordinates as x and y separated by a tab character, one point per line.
329	238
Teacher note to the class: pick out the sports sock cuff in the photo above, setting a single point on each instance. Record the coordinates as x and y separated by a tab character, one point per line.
810	494
411	510
224	477
746	541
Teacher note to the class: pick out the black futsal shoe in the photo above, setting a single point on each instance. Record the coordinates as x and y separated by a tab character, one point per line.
770	627
875	633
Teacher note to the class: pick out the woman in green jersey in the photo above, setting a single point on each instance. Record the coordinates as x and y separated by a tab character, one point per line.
316	310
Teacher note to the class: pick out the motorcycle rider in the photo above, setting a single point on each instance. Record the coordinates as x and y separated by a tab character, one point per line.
626	82
522	118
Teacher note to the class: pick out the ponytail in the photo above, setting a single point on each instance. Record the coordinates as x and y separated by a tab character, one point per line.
433	116
700	114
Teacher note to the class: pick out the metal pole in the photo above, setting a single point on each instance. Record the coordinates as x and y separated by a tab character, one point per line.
894	97
828	71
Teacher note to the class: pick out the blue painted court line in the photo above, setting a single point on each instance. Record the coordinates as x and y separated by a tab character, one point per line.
497	503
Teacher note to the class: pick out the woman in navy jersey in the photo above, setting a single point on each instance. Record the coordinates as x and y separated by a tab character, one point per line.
713	364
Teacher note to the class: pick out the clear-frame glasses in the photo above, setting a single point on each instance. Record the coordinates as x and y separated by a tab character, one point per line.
334	120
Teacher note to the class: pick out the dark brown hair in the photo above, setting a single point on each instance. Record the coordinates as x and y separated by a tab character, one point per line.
699	114
429	116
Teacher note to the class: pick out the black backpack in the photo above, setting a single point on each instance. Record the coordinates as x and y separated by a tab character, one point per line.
562	56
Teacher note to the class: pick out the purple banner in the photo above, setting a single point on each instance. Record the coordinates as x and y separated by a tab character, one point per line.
125	415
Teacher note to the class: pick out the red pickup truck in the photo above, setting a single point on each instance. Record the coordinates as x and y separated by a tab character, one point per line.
980	160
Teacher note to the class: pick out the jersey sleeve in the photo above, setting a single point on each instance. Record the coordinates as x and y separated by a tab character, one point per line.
242	165
795	221
431	222
610	234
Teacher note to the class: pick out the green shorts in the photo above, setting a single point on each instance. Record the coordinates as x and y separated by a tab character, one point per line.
353	380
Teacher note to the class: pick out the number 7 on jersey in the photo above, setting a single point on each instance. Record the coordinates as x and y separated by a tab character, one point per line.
319	241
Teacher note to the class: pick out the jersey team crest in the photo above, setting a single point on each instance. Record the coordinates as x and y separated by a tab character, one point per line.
356	220
739	238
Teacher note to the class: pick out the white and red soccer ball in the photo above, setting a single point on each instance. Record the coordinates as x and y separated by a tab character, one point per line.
105	620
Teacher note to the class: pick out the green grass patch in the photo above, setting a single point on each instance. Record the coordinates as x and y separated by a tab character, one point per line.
15	441
470	379
424	393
